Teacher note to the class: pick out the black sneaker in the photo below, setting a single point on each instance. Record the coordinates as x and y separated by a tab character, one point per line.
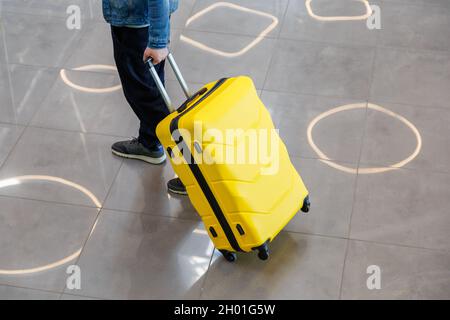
176	186
133	149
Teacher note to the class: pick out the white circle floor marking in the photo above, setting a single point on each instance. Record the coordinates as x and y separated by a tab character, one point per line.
89	67
324	158
19	179
340	18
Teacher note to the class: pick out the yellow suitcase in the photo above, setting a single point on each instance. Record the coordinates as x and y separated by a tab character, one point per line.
244	188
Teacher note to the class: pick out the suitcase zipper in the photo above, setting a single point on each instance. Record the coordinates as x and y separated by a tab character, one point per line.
193	166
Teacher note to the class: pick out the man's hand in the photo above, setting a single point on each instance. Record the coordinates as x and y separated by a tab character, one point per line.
157	55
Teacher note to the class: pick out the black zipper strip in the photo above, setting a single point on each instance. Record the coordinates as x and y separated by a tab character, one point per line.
193	166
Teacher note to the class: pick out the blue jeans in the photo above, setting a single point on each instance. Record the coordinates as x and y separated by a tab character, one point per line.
138	86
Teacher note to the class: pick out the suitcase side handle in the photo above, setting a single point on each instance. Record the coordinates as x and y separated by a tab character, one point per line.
160	86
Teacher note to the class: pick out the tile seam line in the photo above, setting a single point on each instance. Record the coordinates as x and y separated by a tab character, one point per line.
2	164
410	105
10	11
356	46
97	218
82	296
230	33
51	17
82	32
283	19
339	45
295	93
314	94
381	165
119	211
29	288
348	46
48	201
419	5
271	60
203	285
413	169
191	12
57	69
83	245
442	251
415	50
398	245
355	185
41	104
381	243
343	46
90	133
355	100
291	39
5	50
146	214
292	156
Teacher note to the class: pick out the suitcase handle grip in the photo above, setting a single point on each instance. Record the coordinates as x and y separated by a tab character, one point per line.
160	86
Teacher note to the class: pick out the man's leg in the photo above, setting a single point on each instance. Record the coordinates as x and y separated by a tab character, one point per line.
143	96
141	93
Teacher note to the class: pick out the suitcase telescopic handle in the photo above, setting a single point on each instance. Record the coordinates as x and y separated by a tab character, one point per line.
160	86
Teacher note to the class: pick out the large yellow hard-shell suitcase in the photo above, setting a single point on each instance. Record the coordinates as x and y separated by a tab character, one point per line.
223	146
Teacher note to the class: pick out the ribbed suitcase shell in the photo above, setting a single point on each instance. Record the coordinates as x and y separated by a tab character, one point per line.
231	198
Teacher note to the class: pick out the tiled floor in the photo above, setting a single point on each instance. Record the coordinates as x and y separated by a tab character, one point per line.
142	243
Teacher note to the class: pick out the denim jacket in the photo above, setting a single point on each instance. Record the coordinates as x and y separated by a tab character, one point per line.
154	13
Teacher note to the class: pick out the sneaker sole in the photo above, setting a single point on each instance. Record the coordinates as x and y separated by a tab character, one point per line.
183	193
142	158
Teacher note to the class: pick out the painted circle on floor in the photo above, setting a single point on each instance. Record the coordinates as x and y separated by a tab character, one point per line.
324	158
340	18
90	67
18	180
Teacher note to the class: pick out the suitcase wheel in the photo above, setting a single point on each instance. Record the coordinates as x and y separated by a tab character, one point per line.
306	204
228	255
263	251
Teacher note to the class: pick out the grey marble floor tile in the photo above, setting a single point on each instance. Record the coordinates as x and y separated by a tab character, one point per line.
415	27
14	293
48	8
321	69
131	256
299	25
388	140
300	267
339	135
142	187
9	134
39	240
405	273
179	17
23	89
411	77
331	194
92	112
405	207
80	159
238	17
202	65
94	48
50	43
